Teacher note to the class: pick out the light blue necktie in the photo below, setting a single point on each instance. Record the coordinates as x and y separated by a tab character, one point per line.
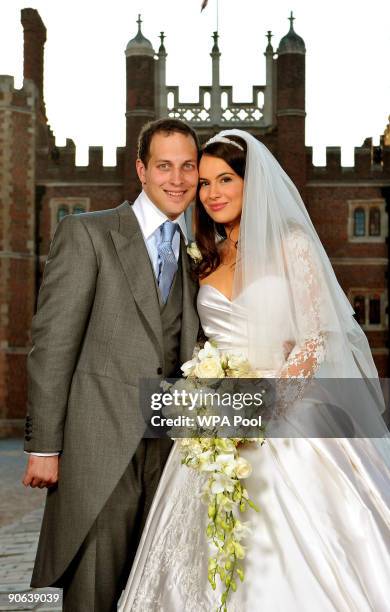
168	263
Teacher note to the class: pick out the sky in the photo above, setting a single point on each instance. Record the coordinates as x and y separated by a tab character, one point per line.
347	74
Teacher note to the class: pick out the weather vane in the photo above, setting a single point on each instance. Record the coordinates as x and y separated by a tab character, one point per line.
203	6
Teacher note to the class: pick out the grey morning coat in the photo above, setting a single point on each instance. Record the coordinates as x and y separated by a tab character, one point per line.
96	332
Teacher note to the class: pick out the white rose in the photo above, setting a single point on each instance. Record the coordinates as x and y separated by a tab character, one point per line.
238	366
243	468
236	360
209	350
194	252
209	368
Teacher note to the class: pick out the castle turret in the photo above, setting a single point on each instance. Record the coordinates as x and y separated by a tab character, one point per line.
290	105
140	102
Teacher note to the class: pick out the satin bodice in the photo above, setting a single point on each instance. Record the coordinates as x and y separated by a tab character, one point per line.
231	332
215	313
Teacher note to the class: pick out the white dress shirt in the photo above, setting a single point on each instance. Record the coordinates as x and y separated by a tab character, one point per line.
150	218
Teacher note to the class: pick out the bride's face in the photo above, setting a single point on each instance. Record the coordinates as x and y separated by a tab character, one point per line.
220	190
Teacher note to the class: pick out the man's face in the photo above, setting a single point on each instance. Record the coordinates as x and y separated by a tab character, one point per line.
171	175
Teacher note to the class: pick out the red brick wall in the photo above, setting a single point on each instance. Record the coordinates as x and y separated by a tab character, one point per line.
101	197
328	209
17	163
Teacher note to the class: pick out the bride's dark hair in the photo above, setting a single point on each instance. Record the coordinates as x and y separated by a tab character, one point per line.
206	230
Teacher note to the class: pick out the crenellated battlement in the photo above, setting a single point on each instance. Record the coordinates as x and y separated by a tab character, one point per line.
62	164
371	162
25	98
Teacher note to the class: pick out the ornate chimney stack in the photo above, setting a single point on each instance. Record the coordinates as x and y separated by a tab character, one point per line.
34	42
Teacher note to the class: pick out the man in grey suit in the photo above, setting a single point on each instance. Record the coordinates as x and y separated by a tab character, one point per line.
117	303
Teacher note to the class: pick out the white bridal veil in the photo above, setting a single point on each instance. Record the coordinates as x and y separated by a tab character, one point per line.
285	285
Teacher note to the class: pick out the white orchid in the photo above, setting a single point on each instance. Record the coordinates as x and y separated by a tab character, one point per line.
165	385
188	367
221	482
227	463
241	530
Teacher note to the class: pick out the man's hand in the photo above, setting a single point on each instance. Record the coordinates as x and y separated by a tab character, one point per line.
41	471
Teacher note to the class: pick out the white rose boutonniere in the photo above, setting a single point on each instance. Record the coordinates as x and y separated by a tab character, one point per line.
194	252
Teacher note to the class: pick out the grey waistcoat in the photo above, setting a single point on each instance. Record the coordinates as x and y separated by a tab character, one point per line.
171	314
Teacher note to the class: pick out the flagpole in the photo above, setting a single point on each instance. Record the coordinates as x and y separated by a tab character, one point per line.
217	15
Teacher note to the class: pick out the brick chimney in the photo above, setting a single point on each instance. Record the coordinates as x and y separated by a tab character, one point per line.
34	42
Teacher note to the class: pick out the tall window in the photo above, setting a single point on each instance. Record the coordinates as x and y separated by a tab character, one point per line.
62	212
369	306
359	307
359	222
375	221
63	206
367	220
375	310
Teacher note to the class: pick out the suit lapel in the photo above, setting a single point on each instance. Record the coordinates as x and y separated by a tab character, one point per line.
190	320
134	257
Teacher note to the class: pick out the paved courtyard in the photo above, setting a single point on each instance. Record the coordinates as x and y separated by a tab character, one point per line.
20	517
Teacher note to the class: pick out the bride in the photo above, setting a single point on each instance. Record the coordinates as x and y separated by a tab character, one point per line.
322	537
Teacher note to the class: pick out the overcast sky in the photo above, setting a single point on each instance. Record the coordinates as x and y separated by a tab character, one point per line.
347	61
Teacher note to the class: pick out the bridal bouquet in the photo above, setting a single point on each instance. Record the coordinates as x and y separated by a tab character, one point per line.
224	492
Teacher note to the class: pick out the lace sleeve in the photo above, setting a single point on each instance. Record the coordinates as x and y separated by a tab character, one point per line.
305	360
303	269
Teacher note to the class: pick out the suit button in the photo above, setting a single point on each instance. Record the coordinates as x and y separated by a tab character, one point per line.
159	370
28	438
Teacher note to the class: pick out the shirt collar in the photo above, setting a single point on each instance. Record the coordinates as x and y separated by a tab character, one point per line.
150	217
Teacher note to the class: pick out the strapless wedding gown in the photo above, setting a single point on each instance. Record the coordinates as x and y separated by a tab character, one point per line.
321	540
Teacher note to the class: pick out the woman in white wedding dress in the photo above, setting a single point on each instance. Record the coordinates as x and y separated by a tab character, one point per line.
322	537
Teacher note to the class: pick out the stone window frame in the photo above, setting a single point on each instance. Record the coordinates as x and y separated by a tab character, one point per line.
367	293
367	205
70	203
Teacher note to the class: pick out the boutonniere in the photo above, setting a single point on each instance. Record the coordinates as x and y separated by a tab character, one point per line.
194	252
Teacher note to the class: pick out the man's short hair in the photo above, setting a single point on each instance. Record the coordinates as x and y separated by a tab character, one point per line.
165	126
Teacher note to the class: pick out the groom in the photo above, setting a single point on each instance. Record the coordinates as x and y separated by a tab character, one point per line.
117	303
